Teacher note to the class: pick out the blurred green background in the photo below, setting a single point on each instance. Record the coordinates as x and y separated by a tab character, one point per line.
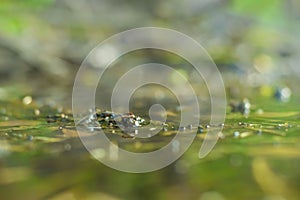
42	43
256	46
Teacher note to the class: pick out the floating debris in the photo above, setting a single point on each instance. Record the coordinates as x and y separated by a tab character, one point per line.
58	118
284	126
165	127
214	125
128	136
200	129
127	120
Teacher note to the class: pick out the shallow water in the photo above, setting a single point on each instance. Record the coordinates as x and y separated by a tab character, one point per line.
256	158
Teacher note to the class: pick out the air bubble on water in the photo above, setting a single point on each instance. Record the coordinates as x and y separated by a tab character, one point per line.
236	134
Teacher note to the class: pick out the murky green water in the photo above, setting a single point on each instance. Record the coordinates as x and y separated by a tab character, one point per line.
257	158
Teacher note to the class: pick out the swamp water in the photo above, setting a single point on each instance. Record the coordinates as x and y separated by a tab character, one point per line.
257	157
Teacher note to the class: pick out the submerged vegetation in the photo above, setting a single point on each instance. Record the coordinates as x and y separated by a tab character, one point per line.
258	154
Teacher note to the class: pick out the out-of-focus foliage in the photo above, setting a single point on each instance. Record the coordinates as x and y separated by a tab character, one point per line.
44	42
271	11
16	15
